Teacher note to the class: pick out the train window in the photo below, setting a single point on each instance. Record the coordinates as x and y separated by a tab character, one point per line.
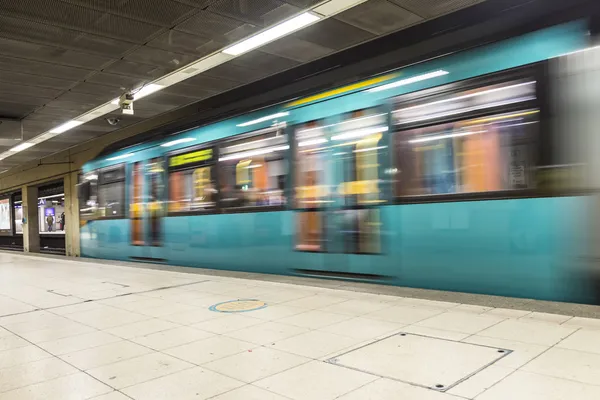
111	192
192	184
311	190
137	205
156	174
88	196
253	170
491	153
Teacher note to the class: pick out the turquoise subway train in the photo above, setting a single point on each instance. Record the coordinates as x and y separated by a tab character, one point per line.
430	176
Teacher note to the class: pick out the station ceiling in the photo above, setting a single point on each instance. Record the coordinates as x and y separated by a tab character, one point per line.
62	58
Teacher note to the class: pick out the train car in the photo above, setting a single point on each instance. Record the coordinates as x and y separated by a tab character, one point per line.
427	176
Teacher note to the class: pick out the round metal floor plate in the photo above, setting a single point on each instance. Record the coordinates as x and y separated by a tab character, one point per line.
236	306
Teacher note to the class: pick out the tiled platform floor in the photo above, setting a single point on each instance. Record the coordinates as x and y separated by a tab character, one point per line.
110	331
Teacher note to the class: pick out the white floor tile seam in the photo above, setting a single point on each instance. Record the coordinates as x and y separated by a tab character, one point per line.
248	384
76	369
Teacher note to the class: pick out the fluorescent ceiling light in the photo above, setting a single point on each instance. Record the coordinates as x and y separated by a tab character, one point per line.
263	119
252	153
21	147
120	157
91	178
272	34
360	133
177	141
408	81
146	90
254	166
66	126
446	136
312	142
51	197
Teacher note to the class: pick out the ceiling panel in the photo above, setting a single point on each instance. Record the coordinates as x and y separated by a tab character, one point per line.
434	8
297	49
166	59
264	62
209	25
40	68
379	17
181	42
211	84
31	31
120	81
159	12
51	54
59	13
36	80
304	3
249	11
334	34
93	88
235	73
135	69
15	88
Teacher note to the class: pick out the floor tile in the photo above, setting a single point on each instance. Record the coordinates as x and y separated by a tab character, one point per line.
195	383
436	333
193	317
267	333
12	342
105	354
405	314
387	389
567	364
315	301
79	307
315	344
34	372
49	334
210	349
106	318
528	332
481	381
426	303
582	340
71	387
114	395
314	319
173	308
79	342
363	328
547	317
249	392
137	370
469	308
141	328
355	307
229	323
259	363
527	386
21	355
460	322
172	338
580	322
419	360
275	312
283	296
315	380
507	312
521	353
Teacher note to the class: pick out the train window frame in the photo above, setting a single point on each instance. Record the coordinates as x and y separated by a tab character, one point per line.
212	145
283	129
102	181
539	146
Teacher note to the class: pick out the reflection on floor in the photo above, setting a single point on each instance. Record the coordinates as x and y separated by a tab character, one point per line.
98	330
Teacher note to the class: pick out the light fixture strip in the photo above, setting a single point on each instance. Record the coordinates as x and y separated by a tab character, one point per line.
263	119
408	81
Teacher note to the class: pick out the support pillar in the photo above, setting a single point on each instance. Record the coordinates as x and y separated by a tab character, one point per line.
72	245
31	225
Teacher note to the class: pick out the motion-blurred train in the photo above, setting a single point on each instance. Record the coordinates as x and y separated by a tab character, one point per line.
462	173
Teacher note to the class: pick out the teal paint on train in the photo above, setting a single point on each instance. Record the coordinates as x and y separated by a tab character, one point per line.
522	248
511	53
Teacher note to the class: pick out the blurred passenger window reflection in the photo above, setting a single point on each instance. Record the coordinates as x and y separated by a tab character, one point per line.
111	192
253	169
492	152
192	184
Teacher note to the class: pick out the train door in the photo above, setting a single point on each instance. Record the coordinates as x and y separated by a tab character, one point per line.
147	209
340	166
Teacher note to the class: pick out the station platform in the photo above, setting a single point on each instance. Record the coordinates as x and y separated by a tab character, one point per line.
87	329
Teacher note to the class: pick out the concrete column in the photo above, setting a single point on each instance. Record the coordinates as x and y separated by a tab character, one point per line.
31	225
72	216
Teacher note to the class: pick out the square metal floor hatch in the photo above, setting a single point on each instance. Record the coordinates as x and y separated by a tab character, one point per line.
434	363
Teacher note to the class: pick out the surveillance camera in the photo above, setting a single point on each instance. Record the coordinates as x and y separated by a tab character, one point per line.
126	103
113	121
